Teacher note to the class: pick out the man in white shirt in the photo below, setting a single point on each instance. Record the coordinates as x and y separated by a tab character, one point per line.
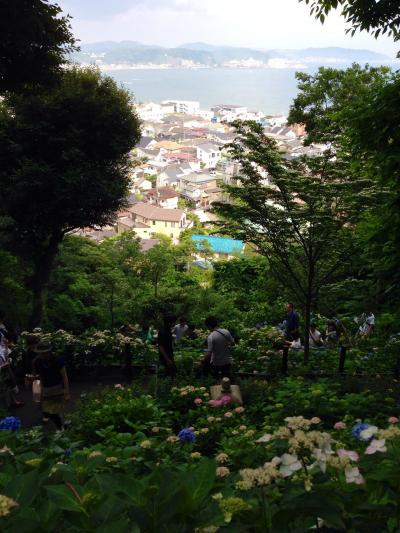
219	342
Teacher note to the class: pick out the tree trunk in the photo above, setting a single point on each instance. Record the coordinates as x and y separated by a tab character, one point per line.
307	329
43	263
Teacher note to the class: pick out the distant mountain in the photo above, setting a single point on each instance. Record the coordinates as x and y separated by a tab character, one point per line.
131	53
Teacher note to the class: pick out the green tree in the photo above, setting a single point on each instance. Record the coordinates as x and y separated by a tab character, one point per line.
357	111
326	98
301	220
376	17
33	44
64	164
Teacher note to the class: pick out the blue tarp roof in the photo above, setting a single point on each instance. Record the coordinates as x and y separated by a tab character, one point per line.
219	245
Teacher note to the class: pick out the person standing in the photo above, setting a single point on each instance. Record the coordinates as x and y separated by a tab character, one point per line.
315	337
7	374
166	345
54	380
180	330
218	355
292	323
367	327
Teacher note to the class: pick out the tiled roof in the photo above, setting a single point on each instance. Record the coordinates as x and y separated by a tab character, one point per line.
127	221
163	193
153	212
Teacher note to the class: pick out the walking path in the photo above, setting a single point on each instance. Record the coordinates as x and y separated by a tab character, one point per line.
30	413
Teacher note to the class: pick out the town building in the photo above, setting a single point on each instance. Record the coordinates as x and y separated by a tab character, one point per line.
147	220
186	107
209	154
163	197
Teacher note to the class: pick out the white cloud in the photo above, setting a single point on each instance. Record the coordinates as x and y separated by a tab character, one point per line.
254	23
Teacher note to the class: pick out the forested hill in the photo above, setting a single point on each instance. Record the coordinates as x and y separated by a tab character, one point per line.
131	52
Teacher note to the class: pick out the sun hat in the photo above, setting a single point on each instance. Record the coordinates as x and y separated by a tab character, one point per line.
43	347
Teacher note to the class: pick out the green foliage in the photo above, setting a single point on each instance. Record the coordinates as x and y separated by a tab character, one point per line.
378	18
356	110
54	155
300	219
35	39
326	97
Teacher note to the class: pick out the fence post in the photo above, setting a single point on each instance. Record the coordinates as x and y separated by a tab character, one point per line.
285	357
342	359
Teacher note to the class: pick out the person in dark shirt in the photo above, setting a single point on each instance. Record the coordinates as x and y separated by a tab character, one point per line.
30	353
54	381
292	323
166	345
192	333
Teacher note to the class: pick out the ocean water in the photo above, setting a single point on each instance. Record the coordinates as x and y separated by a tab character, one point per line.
267	90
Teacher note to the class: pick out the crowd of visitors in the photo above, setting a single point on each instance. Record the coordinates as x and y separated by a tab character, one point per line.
48	372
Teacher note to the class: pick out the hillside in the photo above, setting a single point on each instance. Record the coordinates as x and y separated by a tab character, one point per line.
204	55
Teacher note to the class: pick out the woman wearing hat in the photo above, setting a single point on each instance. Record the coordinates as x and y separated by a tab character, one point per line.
54	380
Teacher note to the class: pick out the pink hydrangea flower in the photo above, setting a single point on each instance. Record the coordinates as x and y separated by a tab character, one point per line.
211	418
393	420
222	471
239	410
225	400
198	401
339	425
377	445
228	414
348	453
118	386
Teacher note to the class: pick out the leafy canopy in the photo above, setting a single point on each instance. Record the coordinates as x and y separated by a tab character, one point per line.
298	213
374	16
34	41
64	154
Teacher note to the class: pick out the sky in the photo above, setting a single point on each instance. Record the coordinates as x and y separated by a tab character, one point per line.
263	24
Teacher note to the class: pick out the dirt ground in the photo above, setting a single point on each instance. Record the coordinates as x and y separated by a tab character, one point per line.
30	413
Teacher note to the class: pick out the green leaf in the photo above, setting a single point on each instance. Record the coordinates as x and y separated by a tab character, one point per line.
63	498
24	488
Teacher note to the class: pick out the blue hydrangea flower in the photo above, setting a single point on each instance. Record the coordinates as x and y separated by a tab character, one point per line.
357	429
68	452
186	436
10	423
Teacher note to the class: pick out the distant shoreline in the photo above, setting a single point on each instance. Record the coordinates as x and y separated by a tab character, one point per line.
122	66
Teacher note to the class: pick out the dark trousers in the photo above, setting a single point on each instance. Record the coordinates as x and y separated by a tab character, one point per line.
223	371
54	418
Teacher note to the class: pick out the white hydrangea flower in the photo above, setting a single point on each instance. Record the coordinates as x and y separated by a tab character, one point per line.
367	434
289	464
353	475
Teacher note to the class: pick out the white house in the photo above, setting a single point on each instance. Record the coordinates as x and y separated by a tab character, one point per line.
209	154
163	197
186	107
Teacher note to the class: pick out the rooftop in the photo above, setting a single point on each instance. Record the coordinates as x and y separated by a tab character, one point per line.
209	147
197	177
153	212
148	244
163	193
